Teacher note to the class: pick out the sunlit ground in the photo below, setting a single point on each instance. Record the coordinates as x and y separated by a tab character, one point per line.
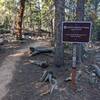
17	54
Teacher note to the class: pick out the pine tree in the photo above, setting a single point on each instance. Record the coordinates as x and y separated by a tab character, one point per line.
59	18
19	19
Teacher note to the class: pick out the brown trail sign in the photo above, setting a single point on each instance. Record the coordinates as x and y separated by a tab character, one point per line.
76	32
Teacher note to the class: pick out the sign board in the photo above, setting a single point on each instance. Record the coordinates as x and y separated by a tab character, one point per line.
78	31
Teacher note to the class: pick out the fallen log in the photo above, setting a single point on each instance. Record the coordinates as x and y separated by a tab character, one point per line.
1	41
42	64
97	70
39	50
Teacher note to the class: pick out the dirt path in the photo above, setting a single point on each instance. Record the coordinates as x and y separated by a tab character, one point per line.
8	64
6	72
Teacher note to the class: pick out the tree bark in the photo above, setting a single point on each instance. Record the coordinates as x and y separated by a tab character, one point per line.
59	18
96	2
80	10
30	15
80	17
19	20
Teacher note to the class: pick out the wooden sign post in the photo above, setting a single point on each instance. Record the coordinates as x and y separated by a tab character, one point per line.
76	32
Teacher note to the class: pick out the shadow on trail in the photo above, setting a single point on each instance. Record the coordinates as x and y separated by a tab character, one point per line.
22	85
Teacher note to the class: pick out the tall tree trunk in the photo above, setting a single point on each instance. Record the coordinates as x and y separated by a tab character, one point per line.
31	20
14	19
80	17
59	18
19	20
80	10
96	2
51	35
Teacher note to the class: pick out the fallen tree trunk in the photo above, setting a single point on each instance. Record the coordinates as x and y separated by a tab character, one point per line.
97	70
42	64
1	41
39	50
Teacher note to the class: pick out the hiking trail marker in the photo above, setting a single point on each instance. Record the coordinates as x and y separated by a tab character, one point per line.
76	32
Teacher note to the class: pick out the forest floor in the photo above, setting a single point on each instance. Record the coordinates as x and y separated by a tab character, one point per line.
20	79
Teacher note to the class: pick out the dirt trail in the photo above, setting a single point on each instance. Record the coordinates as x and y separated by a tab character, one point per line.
8	67
6	72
